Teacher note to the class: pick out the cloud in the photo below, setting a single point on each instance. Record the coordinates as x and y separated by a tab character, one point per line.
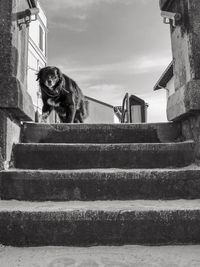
57	4
73	13
136	65
77	26
151	63
109	93
111	81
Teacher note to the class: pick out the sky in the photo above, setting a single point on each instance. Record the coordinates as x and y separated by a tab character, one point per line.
111	47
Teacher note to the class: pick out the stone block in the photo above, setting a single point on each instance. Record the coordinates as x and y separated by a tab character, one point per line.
100	133
15	99
88	156
184	102
82	223
13	58
185	50
100	184
9	134
191	131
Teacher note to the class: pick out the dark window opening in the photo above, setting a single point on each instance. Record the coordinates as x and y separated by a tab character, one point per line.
41	38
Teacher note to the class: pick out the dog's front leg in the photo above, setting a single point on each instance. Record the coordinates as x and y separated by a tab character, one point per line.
46	110
71	115
45	115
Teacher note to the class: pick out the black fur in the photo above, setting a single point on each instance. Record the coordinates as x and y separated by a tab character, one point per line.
65	96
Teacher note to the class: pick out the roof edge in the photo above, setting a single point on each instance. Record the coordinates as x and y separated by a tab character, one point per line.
137	98
165	77
99	102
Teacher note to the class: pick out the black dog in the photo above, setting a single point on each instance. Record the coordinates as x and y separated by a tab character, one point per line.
62	94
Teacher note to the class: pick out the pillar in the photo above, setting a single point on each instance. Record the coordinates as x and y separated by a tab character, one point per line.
15	103
184	104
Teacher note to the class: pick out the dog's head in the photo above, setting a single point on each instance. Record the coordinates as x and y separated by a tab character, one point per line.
49	76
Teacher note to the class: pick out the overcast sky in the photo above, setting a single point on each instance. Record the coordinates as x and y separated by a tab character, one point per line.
110	47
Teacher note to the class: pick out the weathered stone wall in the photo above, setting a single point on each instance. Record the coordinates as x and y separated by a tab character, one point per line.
9	134
13	40
191	131
15	103
185	40
13	60
184	104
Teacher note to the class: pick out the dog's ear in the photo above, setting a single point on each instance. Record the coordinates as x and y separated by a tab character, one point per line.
60	75
39	74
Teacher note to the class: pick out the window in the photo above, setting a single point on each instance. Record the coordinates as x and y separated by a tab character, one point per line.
41	38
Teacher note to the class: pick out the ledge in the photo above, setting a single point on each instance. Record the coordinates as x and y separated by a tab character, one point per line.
15	99
184	102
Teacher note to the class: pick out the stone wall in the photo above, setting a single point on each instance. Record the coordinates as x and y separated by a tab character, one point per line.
15	103
184	104
185	40
13	59
191	131
9	134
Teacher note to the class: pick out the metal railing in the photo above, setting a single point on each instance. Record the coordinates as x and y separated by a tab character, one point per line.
125	117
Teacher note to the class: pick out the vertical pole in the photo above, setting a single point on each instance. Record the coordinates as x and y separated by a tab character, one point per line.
128	108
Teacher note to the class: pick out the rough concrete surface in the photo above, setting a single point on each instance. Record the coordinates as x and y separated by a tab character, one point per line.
24	223
13	58
185	42
100	184
185	101
125	256
191	130
84	156
100	133
9	134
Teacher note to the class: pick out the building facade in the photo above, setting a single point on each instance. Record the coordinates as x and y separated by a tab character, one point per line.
37	55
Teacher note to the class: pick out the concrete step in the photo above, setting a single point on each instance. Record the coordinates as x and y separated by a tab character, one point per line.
84	156
99	222
100	184
100	133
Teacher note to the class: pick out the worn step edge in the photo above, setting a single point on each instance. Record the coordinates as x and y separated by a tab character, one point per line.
99	222
83	156
94	133
100	184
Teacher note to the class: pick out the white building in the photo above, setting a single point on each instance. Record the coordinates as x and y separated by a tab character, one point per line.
99	112
37	54
166	81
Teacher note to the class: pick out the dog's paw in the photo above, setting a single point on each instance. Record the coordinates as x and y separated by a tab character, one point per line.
44	117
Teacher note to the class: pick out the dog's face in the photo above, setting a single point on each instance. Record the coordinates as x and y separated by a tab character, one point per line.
49	76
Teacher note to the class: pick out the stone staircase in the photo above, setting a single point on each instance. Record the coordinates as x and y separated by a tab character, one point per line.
100	184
